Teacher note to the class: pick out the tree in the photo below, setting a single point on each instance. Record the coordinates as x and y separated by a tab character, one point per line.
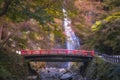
106	36
43	12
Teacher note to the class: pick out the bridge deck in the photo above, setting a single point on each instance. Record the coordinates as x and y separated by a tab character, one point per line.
55	58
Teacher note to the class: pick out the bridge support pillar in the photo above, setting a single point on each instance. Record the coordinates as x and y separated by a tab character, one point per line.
31	70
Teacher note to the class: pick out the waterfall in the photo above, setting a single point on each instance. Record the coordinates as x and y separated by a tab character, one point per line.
72	41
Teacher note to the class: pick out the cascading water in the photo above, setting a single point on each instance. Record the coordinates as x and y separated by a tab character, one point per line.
72	41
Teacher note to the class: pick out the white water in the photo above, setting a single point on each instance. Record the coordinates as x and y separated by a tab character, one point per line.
72	41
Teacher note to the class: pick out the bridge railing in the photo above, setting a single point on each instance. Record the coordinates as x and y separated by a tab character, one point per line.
111	59
57	52
114	59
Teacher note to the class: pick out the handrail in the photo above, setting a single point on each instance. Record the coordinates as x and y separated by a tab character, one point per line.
113	59
57	52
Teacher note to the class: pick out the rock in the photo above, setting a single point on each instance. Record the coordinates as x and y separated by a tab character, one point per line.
32	77
66	76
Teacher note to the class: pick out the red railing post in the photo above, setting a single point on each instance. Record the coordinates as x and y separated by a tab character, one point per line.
74	52
40	52
82	52
31	51
92	53
66	51
57	51
86	53
48	51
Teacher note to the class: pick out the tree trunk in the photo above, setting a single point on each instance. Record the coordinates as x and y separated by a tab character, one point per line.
1	27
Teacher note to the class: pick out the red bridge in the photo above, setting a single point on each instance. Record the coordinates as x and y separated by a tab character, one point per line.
54	55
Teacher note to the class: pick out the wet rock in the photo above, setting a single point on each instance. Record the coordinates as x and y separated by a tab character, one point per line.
59	74
67	76
35	77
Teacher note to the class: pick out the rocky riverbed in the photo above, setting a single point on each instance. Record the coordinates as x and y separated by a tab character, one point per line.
57	73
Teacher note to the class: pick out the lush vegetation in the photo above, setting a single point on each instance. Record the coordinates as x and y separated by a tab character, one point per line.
12	66
105	33
37	24
26	20
101	70
28	24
